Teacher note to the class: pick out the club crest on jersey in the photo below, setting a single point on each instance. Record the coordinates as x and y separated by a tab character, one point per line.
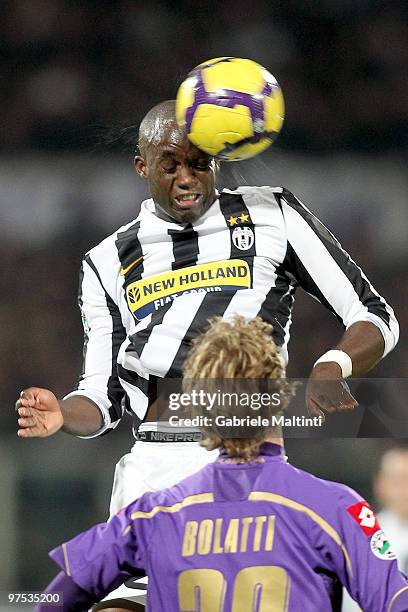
365	517
380	546
243	237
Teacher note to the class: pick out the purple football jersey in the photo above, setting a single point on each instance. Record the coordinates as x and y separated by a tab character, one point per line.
261	536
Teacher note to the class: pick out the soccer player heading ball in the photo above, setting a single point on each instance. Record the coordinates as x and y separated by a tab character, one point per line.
192	253
247	528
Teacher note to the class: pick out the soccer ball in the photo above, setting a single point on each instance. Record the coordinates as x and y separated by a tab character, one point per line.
231	108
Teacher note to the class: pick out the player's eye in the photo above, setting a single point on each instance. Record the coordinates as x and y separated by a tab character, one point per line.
169	167
201	163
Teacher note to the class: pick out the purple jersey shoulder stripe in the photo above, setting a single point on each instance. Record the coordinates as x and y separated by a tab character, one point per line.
191	500
290	503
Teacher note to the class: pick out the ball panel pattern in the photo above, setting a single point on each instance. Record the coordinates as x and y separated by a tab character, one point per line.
238	75
224	98
212	126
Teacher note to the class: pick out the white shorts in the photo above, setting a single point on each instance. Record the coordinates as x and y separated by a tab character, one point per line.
152	466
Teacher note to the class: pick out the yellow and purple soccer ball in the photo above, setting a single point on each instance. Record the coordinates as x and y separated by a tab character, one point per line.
231	108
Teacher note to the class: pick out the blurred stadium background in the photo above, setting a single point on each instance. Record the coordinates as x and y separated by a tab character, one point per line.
69	68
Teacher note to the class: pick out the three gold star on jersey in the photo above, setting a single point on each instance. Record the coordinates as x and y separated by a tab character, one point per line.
243	218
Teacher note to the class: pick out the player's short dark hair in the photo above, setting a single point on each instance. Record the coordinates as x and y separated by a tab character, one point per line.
154	122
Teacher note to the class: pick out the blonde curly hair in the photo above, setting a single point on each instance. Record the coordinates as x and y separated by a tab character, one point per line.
237	349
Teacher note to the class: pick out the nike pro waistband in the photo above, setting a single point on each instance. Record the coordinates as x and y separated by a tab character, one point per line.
169	436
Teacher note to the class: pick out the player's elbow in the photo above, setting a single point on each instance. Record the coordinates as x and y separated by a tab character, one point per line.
390	332
395	331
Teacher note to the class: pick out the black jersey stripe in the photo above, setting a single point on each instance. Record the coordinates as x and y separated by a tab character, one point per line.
308	284
152	397
147	386
294	270
236	214
130	256
185	247
374	304
277	306
114	389
133	379
130	253
199	325
141	337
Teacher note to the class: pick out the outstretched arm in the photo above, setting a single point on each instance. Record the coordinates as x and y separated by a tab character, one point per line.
42	415
96	405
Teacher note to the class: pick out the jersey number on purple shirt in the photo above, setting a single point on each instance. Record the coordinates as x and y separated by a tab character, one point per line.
261	587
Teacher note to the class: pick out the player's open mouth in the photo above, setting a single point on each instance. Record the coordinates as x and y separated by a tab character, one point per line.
188	199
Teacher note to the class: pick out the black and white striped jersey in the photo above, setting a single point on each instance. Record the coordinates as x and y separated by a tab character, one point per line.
152	286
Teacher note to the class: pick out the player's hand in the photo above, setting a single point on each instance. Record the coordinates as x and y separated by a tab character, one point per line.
39	413
327	391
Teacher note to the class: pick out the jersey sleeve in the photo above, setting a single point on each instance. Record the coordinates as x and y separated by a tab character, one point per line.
105	556
362	557
103	335
322	268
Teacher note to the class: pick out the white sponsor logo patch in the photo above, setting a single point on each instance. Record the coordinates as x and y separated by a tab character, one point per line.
243	238
367	517
381	547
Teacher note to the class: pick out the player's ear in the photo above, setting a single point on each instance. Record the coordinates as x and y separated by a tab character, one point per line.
141	166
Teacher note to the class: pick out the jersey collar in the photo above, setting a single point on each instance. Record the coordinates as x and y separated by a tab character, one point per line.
272	450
